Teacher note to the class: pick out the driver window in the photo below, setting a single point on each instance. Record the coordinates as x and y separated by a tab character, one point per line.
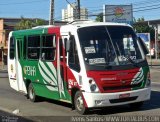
73	55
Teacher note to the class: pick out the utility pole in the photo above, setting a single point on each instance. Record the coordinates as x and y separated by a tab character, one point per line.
156	46
51	14
2	49
78	9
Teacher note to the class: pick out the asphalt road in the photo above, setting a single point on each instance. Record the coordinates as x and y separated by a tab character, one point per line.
3	74
8	117
48	110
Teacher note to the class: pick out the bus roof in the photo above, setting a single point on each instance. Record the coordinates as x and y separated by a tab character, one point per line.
36	30
93	23
75	24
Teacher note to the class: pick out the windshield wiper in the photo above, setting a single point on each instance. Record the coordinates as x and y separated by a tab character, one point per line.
131	61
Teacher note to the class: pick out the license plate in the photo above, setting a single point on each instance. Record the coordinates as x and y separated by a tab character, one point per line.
124	95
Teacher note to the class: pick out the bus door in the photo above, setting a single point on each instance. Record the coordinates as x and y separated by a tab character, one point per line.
18	60
12	64
61	69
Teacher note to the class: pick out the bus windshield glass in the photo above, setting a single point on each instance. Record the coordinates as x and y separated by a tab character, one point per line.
109	45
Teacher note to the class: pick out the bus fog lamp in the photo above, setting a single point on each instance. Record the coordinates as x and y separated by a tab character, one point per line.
93	87
98	102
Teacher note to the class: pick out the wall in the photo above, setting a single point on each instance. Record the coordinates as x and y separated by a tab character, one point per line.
1	32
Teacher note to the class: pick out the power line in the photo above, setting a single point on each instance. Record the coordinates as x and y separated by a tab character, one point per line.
137	9
127	12
23	2
148	6
76	8
145	2
141	3
154	5
147	9
70	4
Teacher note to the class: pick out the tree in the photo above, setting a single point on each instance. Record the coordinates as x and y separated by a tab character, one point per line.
28	23
141	27
140	19
38	22
99	17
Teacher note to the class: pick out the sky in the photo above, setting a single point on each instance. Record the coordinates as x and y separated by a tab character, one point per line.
149	9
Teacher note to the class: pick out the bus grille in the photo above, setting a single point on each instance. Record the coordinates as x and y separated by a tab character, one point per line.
122	87
123	99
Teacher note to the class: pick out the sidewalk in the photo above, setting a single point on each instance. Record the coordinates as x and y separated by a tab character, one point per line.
153	62
3	68
155	74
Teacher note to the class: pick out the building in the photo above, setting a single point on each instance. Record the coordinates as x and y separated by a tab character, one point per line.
152	23
7	25
84	14
70	14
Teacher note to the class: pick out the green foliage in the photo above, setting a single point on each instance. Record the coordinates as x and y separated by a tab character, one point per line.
99	17
28	23
144	28
140	19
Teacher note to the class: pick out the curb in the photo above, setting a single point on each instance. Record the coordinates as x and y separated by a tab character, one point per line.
6	110
18	116
3	74
4	77
154	65
3	71
155	83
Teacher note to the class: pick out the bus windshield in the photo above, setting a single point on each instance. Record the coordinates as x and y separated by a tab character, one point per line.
109	45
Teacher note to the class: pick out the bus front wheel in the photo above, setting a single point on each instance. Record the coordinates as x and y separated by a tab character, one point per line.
31	93
79	103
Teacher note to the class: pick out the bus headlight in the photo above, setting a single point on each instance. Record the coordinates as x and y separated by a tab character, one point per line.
148	80
93	85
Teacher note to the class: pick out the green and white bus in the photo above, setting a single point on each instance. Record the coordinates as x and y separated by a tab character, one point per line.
87	64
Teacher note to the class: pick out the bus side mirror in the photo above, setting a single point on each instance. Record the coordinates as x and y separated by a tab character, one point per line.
67	45
143	45
54	41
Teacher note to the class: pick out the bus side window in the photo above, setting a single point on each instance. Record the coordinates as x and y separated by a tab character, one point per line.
19	46
73	55
65	44
33	47
61	47
48	47
12	48
24	47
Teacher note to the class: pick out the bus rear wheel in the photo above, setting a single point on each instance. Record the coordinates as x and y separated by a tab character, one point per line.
79	103
31	93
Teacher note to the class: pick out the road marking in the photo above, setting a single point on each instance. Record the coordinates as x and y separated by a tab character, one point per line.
16	111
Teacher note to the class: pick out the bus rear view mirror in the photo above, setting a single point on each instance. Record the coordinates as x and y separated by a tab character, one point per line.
143	45
54	41
67	45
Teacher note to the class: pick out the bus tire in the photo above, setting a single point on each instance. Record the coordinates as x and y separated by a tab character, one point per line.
136	106
31	93
79	103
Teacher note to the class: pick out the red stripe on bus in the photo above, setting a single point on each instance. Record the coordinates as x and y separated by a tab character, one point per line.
54	30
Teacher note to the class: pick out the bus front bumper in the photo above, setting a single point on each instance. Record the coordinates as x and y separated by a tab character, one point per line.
118	98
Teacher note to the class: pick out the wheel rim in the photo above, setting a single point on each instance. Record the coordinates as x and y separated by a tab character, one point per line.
31	93
79	103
